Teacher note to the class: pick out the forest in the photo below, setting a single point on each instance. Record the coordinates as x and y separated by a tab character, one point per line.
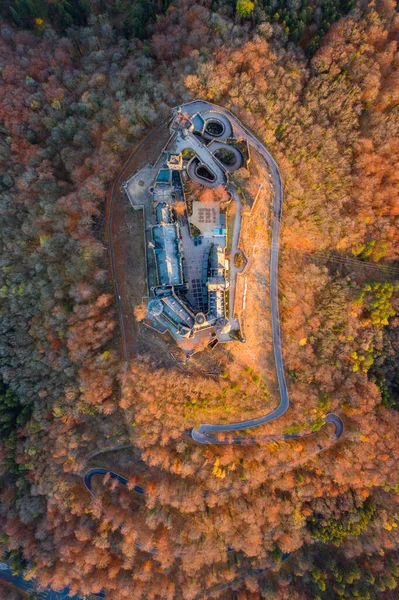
81	83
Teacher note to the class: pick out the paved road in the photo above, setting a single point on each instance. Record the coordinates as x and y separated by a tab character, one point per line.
218	588
137	488
234	247
101	471
202	434
87	480
31	586
5	571
205	433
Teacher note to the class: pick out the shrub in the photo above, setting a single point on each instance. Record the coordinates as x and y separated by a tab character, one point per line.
244	8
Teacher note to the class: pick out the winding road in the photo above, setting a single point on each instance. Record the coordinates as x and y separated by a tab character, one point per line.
205	434
140	490
30	587
101	471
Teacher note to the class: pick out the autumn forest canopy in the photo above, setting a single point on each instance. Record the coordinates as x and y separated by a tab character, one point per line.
82	82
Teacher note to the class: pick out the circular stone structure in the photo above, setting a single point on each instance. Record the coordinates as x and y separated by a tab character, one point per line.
214	127
230	157
200	318
204	172
211	179
213	116
155	307
226	156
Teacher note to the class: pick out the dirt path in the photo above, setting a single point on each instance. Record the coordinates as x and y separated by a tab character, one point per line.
125	237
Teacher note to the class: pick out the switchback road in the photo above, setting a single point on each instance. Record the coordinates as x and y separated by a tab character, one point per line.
205	434
100	471
218	588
